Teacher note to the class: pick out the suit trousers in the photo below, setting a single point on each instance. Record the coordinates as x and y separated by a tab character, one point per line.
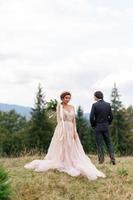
102	134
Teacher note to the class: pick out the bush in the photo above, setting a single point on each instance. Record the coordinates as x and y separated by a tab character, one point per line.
4	185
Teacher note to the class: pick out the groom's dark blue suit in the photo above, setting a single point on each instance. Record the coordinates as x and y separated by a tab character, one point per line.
100	118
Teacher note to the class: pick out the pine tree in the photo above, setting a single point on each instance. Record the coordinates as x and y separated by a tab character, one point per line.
120	126
12	125
41	129
84	131
129	138
129	112
12	121
115	99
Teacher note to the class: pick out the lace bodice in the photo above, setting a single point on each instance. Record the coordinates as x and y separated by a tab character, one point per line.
68	115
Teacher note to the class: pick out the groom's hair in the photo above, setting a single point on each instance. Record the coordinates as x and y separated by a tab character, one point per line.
98	95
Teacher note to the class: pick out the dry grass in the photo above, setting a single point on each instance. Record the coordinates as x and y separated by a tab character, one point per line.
53	185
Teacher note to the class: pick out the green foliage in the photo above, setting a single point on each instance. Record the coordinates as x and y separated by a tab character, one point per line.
12	128
129	117
41	128
17	135
54	185
115	99
4	185
85	132
123	172
12	121
51	110
120	128
52	104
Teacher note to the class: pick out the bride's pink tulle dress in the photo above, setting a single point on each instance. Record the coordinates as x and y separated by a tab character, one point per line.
65	152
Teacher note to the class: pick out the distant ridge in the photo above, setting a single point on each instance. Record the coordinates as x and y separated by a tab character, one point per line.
22	110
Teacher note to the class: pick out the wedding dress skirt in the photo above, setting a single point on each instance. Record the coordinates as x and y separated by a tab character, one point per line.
65	153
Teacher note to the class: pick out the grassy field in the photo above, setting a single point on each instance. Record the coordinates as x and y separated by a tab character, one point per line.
53	185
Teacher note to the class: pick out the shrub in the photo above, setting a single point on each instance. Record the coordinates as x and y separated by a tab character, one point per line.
4	185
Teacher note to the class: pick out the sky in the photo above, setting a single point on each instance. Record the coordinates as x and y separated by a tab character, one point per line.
75	45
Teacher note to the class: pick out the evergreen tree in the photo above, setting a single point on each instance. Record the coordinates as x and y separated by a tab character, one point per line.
129	138
115	99
120	125
85	133
12	125
129	113
41	129
12	121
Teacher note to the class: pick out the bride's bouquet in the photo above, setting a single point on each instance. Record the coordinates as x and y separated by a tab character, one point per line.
51	105
51	108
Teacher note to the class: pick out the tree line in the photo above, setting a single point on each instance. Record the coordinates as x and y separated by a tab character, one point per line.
19	135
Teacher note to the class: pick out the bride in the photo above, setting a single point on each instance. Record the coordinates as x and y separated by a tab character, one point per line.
65	152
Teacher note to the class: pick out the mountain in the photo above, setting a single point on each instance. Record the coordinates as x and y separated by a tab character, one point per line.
22	110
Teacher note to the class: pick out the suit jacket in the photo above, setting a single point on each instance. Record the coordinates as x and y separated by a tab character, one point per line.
101	113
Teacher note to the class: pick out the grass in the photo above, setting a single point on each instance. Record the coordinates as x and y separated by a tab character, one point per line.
53	185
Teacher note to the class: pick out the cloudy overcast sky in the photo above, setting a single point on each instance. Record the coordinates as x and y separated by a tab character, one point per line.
76	45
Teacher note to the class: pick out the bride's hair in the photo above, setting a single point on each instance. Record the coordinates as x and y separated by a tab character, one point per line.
65	93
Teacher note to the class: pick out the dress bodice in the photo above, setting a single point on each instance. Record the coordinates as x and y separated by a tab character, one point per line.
68	115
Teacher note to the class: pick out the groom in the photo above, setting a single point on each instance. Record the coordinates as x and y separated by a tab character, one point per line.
100	118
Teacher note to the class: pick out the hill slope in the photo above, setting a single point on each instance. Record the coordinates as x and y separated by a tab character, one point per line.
24	111
53	185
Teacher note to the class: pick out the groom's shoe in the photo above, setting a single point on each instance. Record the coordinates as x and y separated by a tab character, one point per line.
101	161
113	162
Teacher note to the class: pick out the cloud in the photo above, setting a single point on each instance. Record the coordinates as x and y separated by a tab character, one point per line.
91	70
77	45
